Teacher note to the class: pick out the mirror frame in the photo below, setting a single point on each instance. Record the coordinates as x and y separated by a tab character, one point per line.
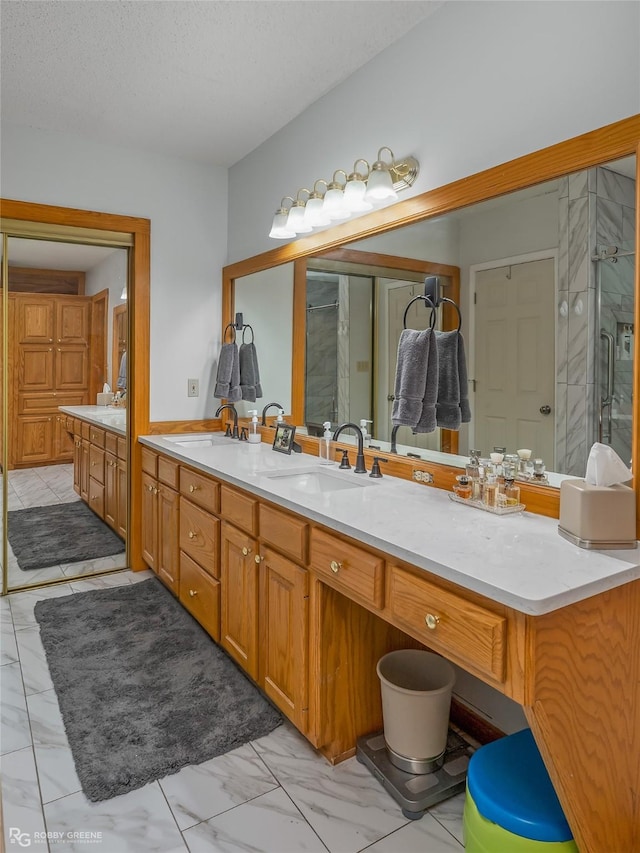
139	333
612	142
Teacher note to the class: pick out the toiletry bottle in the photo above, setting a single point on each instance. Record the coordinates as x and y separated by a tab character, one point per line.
490	491
511	493
366	436
473	473
326	445
526	467
462	487
539	470
254	434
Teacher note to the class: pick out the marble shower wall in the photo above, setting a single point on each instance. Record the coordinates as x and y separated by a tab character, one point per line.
321	391
597	208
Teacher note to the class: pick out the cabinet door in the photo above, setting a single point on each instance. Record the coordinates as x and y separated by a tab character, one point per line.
149	520
96	497
77	462
84	470
239	589
34	439
121	473
111	490
71	368
284	603
35	317
167	557
35	367
62	440
72	321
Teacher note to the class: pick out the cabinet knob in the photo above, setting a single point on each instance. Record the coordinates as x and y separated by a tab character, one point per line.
193	488
431	621
193	592
192	534
246	550
258	558
336	565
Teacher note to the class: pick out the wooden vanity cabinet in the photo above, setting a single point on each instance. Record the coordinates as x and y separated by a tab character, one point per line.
239	573
160	545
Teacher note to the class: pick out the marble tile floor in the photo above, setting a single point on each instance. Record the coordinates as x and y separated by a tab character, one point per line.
274	795
46	486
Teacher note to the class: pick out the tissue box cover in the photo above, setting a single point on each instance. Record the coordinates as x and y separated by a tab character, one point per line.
104	398
600	516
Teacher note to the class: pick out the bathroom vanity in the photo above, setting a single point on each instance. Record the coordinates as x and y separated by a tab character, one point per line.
100	460
307	575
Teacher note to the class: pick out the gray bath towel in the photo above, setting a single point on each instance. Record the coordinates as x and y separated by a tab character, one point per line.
465	411
249	374
228	377
416	381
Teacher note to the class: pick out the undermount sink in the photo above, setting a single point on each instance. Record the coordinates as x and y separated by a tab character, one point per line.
319	480
204	439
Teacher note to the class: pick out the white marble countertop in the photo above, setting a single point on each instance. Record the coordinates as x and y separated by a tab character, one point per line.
519	560
103	416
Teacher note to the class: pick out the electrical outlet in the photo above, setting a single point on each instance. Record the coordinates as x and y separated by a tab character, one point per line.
423	477
193	387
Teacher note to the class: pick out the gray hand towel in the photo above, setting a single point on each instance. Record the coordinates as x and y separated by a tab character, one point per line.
465	410
427	422
415	352
249	373
228	376
448	404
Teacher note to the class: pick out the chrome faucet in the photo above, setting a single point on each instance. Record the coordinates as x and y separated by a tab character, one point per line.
264	411
359	469
232	409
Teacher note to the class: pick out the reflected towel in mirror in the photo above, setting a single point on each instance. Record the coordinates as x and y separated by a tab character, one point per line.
452	407
416	384
249	374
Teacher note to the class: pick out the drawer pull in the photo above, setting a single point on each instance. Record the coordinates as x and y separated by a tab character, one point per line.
193	592
193	534
246	551
335	565
258	558
432	621
193	488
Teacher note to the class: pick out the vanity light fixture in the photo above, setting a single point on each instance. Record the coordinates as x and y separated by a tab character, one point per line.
279	228
354	193
123	295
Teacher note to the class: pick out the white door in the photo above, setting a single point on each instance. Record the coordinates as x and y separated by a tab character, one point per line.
515	359
419	317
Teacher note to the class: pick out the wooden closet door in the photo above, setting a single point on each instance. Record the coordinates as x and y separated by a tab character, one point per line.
72	368
72	321
34	319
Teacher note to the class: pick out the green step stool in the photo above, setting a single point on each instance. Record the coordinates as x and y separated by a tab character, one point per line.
510	805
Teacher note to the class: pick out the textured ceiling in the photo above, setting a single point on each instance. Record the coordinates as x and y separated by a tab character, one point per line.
199	79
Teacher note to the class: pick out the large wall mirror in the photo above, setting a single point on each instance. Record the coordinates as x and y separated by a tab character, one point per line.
548	295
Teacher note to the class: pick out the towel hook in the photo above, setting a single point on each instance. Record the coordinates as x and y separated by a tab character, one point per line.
432	319
224	336
244	329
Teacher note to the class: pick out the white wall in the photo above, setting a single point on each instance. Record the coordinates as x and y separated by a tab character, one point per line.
476	84
186	203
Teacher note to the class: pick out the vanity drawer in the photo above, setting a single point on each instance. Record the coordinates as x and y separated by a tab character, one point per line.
200	594
96	436
348	567
85	428
111	443
200	536
200	489
122	447
168	472
447	623
96	463
149	462
285	532
239	509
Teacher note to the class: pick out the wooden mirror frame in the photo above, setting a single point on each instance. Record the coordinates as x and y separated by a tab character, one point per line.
138	351
621	139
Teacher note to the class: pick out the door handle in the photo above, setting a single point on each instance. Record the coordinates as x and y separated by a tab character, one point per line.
545	410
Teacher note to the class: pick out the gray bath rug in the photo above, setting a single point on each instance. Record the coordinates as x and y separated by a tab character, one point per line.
143	690
43	536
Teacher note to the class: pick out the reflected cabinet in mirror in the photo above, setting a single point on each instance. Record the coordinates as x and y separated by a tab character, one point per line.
65	451
545	277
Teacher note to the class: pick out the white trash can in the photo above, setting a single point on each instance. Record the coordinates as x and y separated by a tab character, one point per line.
416	700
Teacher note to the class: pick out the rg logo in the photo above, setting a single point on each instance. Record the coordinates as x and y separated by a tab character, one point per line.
22	838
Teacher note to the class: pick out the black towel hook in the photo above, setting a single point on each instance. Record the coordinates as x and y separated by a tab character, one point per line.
244	329
432	319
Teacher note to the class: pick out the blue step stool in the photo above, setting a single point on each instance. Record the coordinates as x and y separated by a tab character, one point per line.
511	806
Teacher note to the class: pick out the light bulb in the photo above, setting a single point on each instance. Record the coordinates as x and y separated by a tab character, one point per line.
380	185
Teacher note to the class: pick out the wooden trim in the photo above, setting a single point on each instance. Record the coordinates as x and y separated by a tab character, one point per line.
31	280
299	348
139	297
176	427
620	139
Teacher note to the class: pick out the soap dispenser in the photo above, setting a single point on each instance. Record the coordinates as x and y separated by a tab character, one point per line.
366	436
326	445
254	434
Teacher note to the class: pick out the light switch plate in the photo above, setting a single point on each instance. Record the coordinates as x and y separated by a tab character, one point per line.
193	387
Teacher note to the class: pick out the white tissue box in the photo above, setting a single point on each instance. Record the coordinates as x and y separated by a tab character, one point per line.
103	399
597	516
